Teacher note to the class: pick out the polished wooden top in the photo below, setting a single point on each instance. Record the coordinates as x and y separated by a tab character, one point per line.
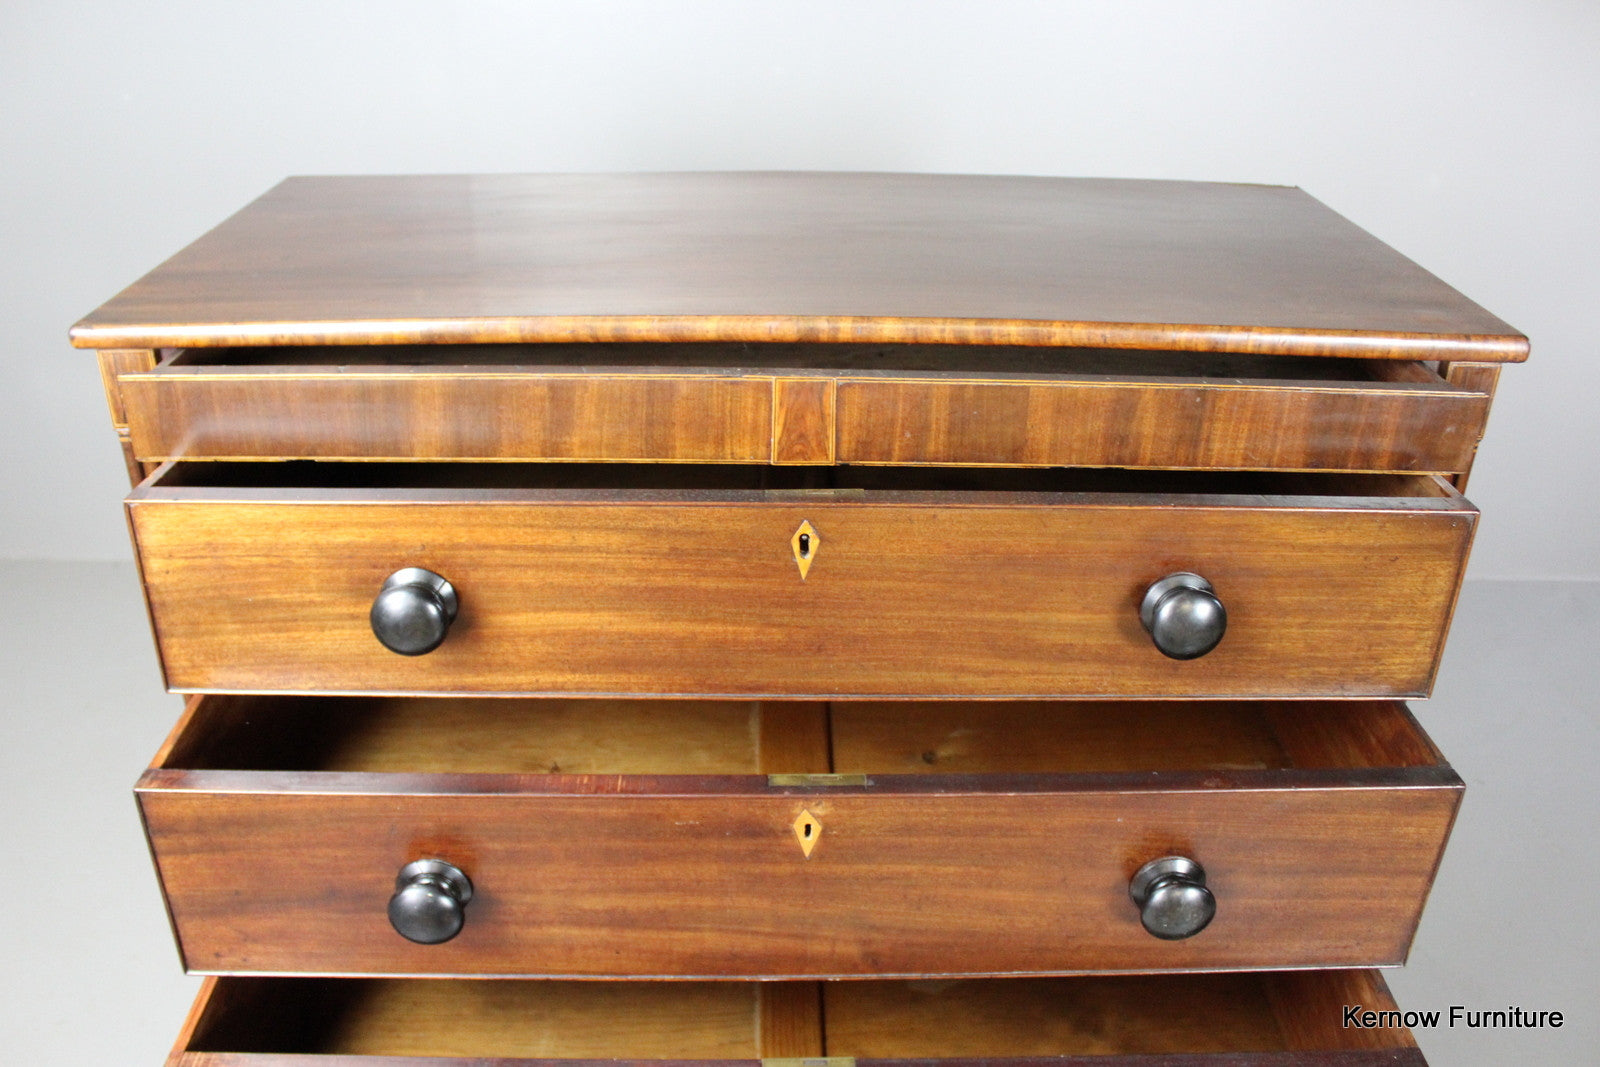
798	257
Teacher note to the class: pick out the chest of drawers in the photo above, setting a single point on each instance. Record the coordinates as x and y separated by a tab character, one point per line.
717	617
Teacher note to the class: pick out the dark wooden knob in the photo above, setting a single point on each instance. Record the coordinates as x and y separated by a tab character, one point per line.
1183	615
413	611
429	905
1172	897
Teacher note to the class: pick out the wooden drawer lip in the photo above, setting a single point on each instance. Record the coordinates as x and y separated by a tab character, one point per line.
299	861
608	787
1280	1020
633	557
1509	347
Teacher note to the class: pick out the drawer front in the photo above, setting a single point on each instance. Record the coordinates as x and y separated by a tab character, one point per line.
639	876
1185	425
702	593
1265	1020
414	414
1217	412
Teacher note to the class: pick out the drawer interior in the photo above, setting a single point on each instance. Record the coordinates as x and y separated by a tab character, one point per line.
544	736
921	359
1101	1016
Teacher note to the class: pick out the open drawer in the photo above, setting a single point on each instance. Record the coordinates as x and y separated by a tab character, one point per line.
796	582
804	403
1263	1020
786	840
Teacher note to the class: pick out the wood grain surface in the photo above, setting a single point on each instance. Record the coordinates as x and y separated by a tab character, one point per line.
792	257
611	417
1066	411
536	1020
1154	1015
1479	377
696	592
803	414
1084	737
454	735
466	735
114	363
1171	424
799	321
1189	1021
1038	1017
610	873
1310	1009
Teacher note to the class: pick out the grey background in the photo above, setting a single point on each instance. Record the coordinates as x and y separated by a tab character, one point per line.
1465	134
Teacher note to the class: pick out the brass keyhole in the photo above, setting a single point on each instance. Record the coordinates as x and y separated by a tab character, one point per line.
805	543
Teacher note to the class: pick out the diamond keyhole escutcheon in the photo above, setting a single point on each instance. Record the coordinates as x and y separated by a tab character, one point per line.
806	831
805	543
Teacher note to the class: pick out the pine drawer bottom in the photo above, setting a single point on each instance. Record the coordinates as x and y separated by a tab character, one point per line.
1219	1020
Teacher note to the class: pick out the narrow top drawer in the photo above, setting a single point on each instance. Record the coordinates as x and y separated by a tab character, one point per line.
1008	406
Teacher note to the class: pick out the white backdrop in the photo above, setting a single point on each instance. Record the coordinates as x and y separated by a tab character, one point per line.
1466	134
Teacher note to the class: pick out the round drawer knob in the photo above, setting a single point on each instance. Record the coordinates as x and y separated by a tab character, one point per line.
1183	615
430	901
413	611
1173	900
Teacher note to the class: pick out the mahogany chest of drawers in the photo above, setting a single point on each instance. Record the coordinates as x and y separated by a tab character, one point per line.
792	616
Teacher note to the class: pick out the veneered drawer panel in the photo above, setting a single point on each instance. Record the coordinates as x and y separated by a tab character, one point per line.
450	413
889	404
986	838
1410	423
699	591
1264	1020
